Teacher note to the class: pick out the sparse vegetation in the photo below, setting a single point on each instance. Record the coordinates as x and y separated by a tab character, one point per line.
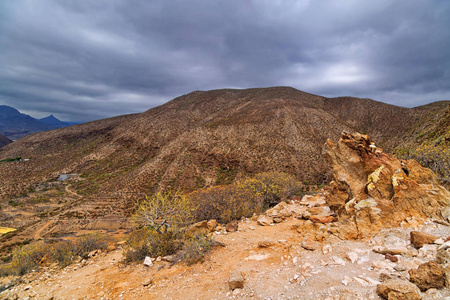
224	203
29	257
272	187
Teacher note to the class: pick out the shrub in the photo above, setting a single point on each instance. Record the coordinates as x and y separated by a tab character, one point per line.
195	248
272	187
29	257
164	210
148	242
25	258
224	203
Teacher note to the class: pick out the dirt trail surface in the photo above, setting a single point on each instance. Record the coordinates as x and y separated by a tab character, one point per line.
38	232
270	258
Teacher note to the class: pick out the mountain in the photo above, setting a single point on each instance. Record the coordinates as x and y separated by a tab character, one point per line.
15	125
55	123
208	138
4	141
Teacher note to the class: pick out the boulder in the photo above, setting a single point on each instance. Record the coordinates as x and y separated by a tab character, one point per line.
418	239
428	275
236	280
397	289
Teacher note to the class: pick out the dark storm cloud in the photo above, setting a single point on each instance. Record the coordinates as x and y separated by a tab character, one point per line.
84	60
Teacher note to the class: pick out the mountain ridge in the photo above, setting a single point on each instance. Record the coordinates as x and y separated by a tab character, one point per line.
216	137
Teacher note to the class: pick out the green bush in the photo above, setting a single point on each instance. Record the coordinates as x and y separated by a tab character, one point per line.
224	203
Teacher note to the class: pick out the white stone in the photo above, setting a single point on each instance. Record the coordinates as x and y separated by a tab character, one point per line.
351	256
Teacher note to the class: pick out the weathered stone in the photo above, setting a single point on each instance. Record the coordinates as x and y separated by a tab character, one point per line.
148	261
351	256
309	243
147	282
232	226
428	275
277	220
265	244
418	239
443	256
212	224
397	289
322	218
264	220
236	280
445	212
447	275
391	257
198	228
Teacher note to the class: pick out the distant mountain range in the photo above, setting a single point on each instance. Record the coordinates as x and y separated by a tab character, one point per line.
15	125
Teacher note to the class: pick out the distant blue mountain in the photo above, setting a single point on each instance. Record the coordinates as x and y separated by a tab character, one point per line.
15	125
55	123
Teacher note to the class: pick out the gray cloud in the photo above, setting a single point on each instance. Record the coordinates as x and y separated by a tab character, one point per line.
84	60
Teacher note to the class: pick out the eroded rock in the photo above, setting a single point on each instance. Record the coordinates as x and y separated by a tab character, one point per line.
428	275
236	281
418	239
397	289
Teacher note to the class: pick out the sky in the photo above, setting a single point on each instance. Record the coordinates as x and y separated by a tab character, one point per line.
83	60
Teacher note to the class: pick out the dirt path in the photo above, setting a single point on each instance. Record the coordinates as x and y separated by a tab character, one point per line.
37	234
281	269
71	192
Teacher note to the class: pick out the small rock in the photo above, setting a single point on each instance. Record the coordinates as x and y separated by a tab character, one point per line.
147	282
277	220
212	224
309	243
265	244
327	249
428	275
26	288
148	261
237	292
159	258
399	268
418	239
433	294
447	275
198	228
322	218
351	256
443	256
170	258
232	226
391	257
399	289
264	220
236	280
439	241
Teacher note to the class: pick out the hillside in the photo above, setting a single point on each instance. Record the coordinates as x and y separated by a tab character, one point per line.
196	140
4	141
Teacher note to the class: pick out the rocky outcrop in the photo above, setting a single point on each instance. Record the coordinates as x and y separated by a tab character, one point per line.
374	190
